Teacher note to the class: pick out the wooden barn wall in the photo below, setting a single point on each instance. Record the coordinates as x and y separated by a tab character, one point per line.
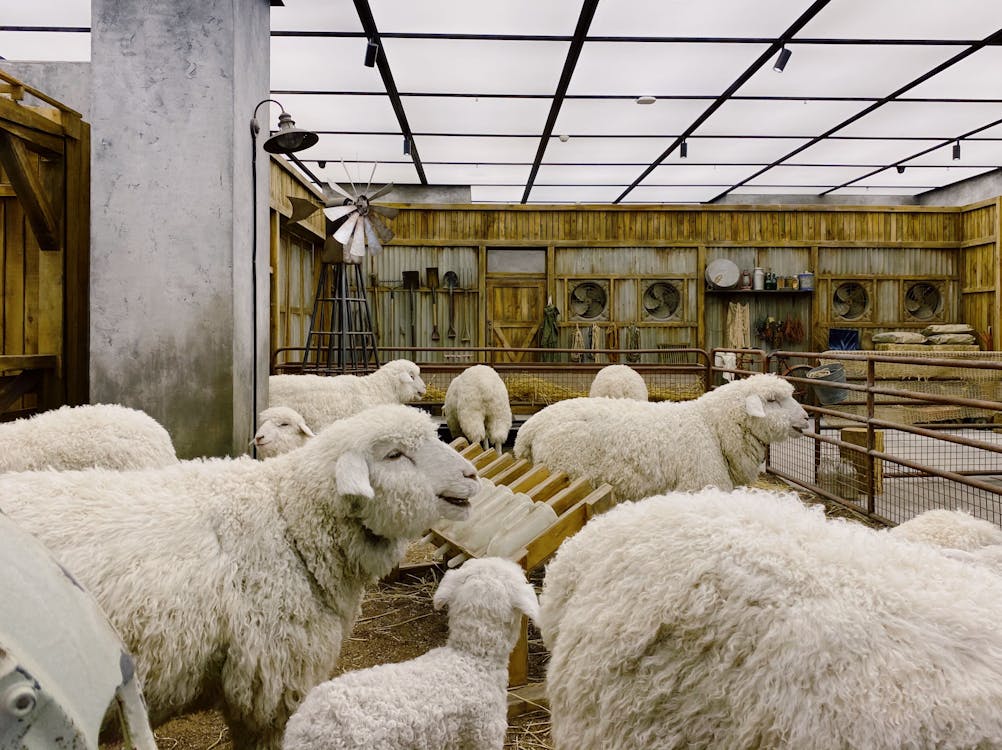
625	248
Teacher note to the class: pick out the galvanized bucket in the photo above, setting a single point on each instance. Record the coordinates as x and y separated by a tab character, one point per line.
833	373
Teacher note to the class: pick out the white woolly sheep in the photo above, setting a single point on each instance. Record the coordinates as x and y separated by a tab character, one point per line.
746	619
280	430
952	529
643	449
237	579
451	698
618	381
476	406
322	399
81	437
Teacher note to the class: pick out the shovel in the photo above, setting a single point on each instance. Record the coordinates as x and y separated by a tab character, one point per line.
451	281
431	275
412	280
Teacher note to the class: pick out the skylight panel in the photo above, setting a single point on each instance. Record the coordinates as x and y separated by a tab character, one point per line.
859	151
453	148
315	15
333	64
485	116
721	18
366	148
565	174
44	46
496	194
575	193
786	118
359	171
972	153
974	77
677	173
929	176
924	119
739	150
874	193
46	13
776	190
905	19
671	194
784	175
640	151
666	118
477	174
552	17
337	112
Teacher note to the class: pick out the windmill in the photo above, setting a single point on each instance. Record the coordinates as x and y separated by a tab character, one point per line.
341	338
661	300
850	300
588	300
923	301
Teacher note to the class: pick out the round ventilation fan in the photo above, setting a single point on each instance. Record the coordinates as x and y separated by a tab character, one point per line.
661	300
588	300
923	300
850	300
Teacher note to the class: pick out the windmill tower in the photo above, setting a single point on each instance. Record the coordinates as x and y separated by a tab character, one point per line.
341	338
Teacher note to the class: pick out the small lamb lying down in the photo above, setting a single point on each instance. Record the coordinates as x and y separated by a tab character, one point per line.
451	698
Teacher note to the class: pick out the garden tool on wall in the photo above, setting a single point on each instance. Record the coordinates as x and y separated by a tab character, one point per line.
465	339
451	281
431	276
412	280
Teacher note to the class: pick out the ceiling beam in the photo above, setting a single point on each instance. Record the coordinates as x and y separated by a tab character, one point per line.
570	62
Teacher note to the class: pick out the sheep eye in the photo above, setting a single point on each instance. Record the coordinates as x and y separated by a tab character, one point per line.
283	424
392	455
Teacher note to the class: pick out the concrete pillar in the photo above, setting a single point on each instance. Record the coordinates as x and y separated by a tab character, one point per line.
174	84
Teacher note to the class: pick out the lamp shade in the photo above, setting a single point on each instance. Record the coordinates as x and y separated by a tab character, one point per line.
289	139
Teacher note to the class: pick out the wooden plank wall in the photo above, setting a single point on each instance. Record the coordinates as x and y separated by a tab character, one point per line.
980	288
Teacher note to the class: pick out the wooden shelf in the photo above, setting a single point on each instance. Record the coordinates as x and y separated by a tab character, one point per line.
711	290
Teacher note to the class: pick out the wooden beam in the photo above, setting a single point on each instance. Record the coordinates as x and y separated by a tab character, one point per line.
28	186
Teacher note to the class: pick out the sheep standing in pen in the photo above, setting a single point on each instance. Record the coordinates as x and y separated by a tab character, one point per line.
451	698
280	430
643	449
324	399
618	381
476	406
81	437
746	619
237	580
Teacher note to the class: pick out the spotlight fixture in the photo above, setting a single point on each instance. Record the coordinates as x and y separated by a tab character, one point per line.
956	150
321	163
784	57
646	99
407	146
900	168
683	150
371	50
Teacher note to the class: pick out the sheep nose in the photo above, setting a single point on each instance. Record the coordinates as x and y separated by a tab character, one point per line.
470	473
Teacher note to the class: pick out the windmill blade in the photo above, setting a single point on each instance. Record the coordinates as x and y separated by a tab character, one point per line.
350	181
336	212
382	191
332	251
358	240
343	234
334	187
389	213
302	209
371	238
384	233
371	175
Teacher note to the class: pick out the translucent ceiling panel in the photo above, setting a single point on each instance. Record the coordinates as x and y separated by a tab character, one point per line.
994	131
359	172
458	66
859	151
783	175
46	13
575	194
447	148
564	174
315	15
737	18
322	64
924	119
428	114
626	117
871	192
974	77
367	148
662	68
929	176
331	112
787	118
773	190
38	46
972	153
905	19
584	150
697	174
496	194
671	194
476	174
740	150
465	17
846	70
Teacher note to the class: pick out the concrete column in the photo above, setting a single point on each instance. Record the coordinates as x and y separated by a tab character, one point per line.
174	84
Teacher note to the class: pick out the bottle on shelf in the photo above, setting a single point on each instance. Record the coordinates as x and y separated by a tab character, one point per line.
769	282
758	278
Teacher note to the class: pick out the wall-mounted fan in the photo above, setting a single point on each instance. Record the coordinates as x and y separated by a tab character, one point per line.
662	300
923	301
588	300
851	300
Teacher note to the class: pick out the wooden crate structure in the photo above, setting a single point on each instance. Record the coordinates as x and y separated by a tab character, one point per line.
573	500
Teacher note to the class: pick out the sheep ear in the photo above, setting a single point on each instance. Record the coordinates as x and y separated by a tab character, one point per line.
305	428
447	587
523	598
352	476
754	406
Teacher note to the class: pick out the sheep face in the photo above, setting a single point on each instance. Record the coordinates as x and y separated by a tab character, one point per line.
772	414
280	430
406	379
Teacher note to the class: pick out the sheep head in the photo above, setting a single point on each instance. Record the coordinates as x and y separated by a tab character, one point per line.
771	413
280	430
406	379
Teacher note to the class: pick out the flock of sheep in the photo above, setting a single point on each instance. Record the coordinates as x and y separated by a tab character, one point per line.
698	613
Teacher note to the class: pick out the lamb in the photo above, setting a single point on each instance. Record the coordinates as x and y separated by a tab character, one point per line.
746	619
322	399
81	437
949	528
476	406
237	579
451	698
280	430
618	381
718	439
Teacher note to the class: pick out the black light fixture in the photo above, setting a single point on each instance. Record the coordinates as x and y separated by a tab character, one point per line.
371	50
407	146
956	150
288	138
321	163
900	168
784	57
683	150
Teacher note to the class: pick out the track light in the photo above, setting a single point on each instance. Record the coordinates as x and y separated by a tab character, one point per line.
683	150
407	146
371	50
900	168
956	150
321	163
783	59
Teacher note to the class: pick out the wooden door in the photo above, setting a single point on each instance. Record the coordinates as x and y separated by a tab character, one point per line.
515	305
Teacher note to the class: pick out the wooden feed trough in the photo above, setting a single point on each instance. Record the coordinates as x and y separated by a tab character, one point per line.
573	501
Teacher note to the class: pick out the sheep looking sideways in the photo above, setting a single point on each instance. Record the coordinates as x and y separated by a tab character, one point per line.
81	437
746	619
718	439
237	579
476	406
280	430
618	381
322	399
451	698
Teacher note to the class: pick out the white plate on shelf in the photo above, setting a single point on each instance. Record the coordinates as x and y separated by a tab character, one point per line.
722	273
